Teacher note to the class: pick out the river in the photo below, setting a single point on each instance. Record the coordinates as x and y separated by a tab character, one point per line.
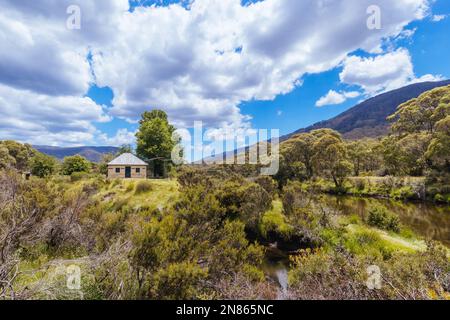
427	220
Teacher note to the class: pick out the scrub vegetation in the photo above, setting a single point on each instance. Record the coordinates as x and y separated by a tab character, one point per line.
206	231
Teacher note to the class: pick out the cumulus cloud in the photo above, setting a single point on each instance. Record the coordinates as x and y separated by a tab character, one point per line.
201	63
383	72
333	98
122	136
44	119
41	54
198	61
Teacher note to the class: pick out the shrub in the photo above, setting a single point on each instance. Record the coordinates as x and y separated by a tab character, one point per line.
248	201
43	165
120	203
268	184
380	218
143	187
439	198
404	193
179	281
75	164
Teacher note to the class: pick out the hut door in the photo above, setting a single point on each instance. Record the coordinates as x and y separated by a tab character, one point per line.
127	172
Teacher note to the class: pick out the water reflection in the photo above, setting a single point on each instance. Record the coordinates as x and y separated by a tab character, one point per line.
426	219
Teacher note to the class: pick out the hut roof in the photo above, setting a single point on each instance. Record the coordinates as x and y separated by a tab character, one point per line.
127	159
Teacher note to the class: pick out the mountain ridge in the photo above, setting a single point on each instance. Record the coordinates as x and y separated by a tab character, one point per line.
368	118
92	153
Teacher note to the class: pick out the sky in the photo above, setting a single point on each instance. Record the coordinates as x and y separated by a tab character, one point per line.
83	76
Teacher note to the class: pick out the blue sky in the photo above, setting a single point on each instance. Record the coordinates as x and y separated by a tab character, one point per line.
270	64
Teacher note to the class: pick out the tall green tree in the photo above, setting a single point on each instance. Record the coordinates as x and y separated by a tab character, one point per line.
419	139
406	155
331	157
300	150
422	113
43	165
154	139
18	155
438	151
365	155
75	163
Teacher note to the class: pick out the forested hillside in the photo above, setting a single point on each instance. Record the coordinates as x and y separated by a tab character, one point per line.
368	119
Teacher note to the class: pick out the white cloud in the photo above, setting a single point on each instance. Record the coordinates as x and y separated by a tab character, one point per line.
196	68
197	63
122	136
333	98
438	17
42	119
382	73
39	53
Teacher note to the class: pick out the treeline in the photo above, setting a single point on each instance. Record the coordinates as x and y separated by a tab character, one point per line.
419	145
154	144
25	159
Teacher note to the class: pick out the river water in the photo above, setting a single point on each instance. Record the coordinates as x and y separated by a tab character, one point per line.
427	220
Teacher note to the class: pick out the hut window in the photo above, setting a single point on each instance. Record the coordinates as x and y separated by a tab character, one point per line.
117	170
138	170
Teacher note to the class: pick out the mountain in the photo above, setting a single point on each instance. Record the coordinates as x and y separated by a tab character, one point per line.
368	119
93	154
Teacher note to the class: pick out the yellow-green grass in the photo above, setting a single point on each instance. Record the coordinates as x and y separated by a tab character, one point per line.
378	180
161	194
274	219
119	192
386	240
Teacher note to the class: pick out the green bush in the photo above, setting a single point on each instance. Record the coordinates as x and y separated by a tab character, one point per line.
75	164
246	201
143	187
403	193
439	198
275	221
380	218
43	165
268	184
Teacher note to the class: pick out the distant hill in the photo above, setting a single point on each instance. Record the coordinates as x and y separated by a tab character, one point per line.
368	119
93	154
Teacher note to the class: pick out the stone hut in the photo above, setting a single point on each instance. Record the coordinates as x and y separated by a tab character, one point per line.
127	166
